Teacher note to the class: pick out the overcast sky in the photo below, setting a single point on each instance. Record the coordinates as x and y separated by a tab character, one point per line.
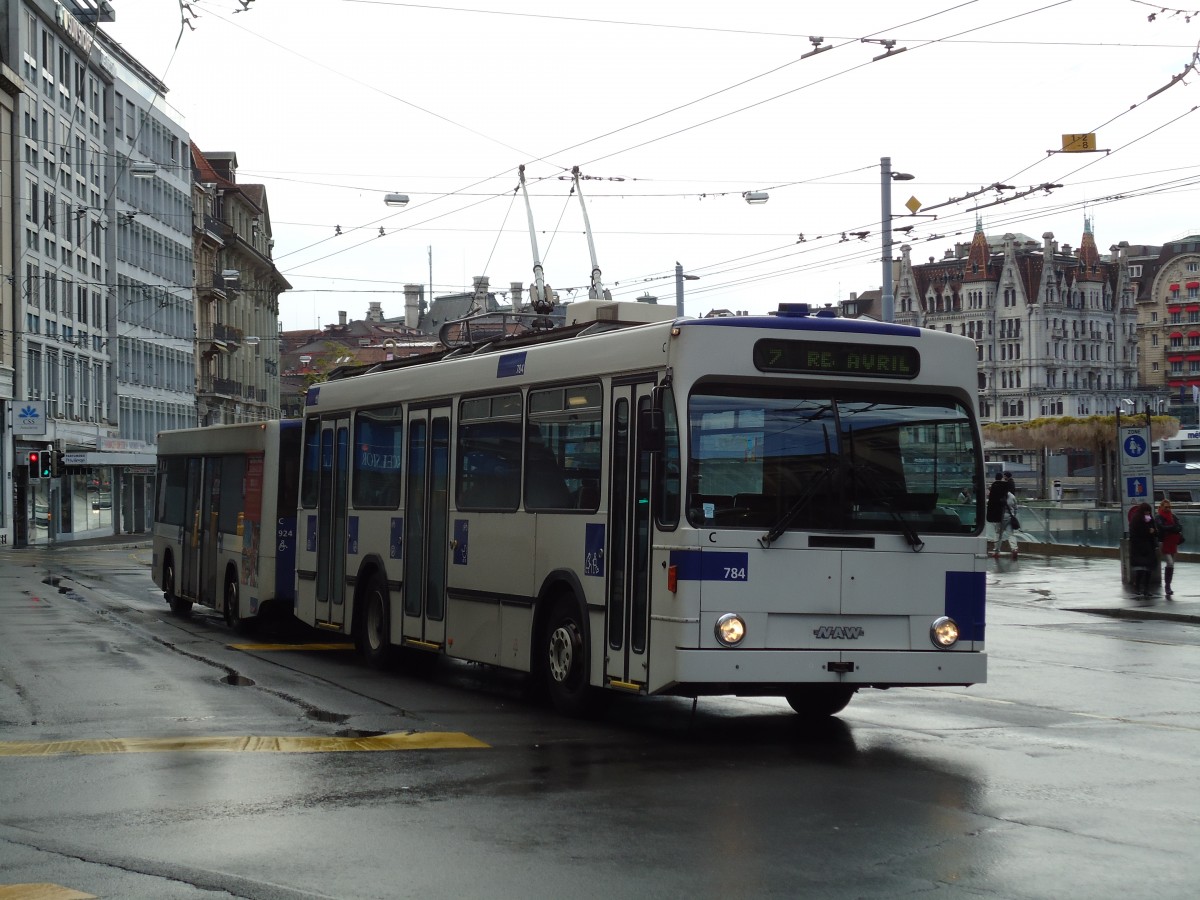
672	110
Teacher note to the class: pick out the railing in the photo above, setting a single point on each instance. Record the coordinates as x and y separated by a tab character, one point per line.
224	386
1080	526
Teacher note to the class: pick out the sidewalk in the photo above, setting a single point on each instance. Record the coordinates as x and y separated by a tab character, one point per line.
1044	575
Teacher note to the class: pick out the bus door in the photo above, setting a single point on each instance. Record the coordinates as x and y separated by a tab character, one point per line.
210	513
426	525
189	550
627	604
334	464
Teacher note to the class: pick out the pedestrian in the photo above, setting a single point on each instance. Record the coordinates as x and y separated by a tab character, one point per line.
1170	533
965	496
1012	485
1143	548
1002	512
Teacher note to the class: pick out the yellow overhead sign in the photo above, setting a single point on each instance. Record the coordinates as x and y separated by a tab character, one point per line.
1078	143
913	205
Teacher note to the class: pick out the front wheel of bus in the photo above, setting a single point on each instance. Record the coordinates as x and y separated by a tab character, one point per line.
179	606
817	701
372	635
565	664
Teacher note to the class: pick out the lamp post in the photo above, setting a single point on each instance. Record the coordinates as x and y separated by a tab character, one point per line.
680	278
886	177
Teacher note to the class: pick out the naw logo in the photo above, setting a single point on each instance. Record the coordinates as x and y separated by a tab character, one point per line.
31	418
838	632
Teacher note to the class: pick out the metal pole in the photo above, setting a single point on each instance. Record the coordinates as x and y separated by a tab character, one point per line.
678	289
888	300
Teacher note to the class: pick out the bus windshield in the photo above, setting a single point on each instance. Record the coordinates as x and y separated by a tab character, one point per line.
831	460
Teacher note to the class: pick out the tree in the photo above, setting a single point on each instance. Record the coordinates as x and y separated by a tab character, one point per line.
1096	434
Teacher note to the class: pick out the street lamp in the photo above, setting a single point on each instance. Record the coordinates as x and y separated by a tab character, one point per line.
680	278
143	169
754	198
886	177
395	199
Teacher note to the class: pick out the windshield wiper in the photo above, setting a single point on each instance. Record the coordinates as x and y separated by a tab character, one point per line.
802	501
910	533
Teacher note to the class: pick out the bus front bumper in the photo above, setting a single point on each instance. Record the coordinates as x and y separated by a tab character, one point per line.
881	668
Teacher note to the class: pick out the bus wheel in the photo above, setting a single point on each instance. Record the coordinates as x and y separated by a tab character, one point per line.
179	606
565	663
232	613
815	701
372	636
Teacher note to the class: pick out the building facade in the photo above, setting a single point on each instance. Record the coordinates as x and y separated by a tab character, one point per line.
1056	329
238	288
1166	283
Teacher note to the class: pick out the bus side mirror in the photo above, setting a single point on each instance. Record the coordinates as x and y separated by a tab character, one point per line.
652	429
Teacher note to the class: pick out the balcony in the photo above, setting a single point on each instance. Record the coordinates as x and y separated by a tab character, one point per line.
223	387
220	338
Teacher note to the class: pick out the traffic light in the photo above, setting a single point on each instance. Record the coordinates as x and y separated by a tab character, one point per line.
44	467
56	463
35	465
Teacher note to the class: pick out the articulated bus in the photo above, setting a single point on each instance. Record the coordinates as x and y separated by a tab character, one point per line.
639	503
225	518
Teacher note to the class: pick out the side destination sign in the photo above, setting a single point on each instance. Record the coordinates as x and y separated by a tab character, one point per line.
829	358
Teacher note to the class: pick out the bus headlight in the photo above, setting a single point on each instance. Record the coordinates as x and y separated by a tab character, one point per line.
943	632
730	629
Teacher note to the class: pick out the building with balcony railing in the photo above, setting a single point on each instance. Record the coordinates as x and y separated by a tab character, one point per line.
238	288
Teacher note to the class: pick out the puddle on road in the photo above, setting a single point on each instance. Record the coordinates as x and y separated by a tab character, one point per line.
237	680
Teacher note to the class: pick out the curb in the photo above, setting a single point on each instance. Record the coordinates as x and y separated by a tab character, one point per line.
1120	612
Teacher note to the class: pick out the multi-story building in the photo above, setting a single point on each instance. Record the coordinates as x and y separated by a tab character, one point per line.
238	288
152	309
1055	328
1166	282
62	182
10	89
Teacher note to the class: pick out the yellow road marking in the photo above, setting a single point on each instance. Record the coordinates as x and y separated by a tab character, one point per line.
256	647
41	892
421	740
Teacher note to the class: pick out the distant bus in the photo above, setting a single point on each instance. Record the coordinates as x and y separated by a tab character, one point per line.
644	504
225	517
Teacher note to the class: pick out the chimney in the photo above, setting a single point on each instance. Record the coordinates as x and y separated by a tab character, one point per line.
375	311
646	298
412	305
342	317
481	286
514	291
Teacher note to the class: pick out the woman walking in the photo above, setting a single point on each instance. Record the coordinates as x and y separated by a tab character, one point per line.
1001	512
1170	532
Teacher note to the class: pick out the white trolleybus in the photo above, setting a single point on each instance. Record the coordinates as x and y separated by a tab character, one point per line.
225	518
756	506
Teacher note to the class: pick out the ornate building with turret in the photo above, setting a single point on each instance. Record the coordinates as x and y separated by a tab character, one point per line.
1055	328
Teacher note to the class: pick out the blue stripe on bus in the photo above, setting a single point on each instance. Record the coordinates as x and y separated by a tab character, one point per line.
803	323
396	539
510	364
285	558
462	534
965	595
352	536
710	565
310	399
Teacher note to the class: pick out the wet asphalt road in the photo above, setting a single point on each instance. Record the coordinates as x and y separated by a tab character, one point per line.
1070	774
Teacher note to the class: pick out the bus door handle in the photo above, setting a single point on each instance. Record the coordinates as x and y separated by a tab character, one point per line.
842	668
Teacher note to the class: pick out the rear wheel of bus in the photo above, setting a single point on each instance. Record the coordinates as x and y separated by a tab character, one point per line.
372	629
564	664
815	701
179	606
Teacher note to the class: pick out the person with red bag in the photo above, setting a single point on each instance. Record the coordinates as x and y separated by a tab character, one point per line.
1170	532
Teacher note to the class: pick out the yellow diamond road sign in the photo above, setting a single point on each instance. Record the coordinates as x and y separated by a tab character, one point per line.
913	205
